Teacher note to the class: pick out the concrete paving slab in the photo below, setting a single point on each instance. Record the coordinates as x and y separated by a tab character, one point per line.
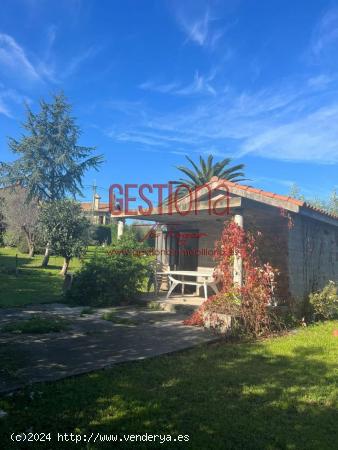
90	343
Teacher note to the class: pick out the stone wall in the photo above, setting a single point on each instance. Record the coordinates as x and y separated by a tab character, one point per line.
272	245
212	230
313	256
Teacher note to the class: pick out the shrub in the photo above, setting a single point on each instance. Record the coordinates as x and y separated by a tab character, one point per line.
249	302
325	302
100	234
22	245
111	278
12	239
224	303
9	239
18	240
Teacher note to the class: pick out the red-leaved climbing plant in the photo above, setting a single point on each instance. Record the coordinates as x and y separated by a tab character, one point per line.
248	303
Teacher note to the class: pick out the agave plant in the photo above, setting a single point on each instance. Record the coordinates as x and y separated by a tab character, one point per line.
207	169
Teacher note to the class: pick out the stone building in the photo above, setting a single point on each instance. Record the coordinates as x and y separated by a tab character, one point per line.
96	212
299	240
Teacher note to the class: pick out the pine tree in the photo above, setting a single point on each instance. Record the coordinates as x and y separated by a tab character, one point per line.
50	164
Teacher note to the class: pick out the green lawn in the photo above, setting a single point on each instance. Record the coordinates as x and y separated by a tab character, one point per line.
275	394
32	284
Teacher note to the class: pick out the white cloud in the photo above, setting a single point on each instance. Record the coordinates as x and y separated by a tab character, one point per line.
313	137
325	35
137	137
290	121
200	85
320	81
8	98
196	30
166	88
282	182
293	120
132	108
74	65
14	58
198	23
4	109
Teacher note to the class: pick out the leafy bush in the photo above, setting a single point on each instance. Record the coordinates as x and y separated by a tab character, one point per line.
224	303
325	302
14	239
112	278
9	239
22	245
100	234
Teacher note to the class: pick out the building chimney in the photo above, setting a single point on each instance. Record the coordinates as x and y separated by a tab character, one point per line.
96	202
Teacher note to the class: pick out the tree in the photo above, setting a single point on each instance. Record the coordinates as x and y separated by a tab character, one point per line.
51	164
66	229
330	205
295	192
20	216
333	203
202	174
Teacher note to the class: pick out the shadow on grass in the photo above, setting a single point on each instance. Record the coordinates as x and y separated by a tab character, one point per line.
10	261
30	286
267	395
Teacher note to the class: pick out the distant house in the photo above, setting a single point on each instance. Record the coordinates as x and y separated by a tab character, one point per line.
96	212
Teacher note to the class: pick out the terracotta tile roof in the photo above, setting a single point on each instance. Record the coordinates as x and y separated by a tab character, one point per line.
283	198
87	206
214	182
265	193
321	211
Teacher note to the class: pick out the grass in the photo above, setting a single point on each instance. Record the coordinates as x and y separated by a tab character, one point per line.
112	317
155	306
32	284
36	325
275	394
87	311
12	358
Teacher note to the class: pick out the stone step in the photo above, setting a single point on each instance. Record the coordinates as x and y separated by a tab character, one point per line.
182	308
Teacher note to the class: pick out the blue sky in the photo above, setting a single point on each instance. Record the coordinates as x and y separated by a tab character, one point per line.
152	81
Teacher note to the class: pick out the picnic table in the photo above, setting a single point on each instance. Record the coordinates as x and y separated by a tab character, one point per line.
208	279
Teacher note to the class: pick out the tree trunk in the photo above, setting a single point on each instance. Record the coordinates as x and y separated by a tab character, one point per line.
30	243
46	257
65	266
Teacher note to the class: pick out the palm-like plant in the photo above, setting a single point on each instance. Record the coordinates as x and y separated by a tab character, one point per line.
207	169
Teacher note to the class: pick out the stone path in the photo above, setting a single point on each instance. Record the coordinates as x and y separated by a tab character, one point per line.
90	343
